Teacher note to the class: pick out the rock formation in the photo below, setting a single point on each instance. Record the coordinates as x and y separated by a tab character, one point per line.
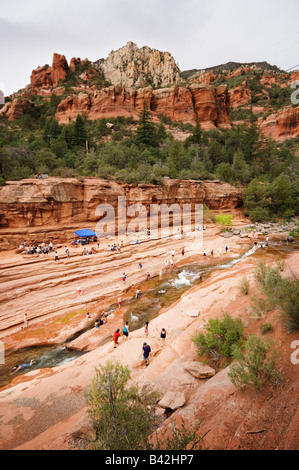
119	84
130	66
282	125
47	77
187	104
32	208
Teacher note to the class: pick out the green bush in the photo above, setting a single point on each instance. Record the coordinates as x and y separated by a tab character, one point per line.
260	306
120	418
224	219
266	328
220	336
286	298
243	285
282	294
255	366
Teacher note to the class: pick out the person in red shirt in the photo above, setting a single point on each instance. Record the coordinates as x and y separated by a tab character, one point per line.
115	337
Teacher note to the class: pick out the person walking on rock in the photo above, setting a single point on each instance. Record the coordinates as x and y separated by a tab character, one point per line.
115	337
146	352
126	330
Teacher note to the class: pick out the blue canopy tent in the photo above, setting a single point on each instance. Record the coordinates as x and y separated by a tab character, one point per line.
85	232
84	235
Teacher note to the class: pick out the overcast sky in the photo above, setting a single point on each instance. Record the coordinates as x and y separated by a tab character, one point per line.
198	33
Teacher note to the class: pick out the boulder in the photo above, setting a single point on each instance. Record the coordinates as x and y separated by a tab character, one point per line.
150	392
199	370
227	234
172	400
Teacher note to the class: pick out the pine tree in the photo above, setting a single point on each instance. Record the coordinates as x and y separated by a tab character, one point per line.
79	135
146	132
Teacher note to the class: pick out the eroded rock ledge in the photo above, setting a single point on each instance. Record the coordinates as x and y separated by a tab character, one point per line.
55	207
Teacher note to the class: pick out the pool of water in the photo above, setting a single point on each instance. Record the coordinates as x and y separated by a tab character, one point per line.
43	357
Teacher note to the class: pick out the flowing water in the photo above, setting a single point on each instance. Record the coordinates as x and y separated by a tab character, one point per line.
159	292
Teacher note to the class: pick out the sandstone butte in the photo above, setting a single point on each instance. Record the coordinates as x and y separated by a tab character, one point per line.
55	207
127	68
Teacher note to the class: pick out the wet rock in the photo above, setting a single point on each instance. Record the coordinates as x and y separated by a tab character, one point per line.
227	234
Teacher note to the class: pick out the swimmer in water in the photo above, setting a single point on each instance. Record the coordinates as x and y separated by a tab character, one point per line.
21	367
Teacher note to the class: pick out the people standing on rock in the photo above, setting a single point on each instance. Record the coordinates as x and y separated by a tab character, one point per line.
26	323
212	253
148	275
183	252
138	292
119	302
146	328
163	334
126	329
140	265
124	277
226	249
166	264
56	256
79	290
116	335
146	352
50	246
171	262
172	253
67	251
46	251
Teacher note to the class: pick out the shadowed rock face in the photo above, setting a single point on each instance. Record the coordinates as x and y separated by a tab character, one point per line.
35	207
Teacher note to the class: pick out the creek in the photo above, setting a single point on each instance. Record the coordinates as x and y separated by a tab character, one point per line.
156	293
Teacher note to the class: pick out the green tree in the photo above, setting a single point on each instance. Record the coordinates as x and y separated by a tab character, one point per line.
146	132
257	201
121	420
79	136
197	137
178	158
240	170
255	366
282	196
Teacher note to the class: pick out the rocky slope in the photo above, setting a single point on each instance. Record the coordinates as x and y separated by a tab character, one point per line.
36	209
219	97
46	408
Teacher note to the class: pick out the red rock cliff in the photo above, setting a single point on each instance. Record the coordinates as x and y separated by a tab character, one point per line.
36	209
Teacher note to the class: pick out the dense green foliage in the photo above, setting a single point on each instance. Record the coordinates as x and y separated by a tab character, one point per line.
145	152
119	417
253	366
281	293
220	336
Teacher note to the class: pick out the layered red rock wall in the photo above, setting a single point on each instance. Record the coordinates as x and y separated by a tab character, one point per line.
187	104
37	210
282	125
